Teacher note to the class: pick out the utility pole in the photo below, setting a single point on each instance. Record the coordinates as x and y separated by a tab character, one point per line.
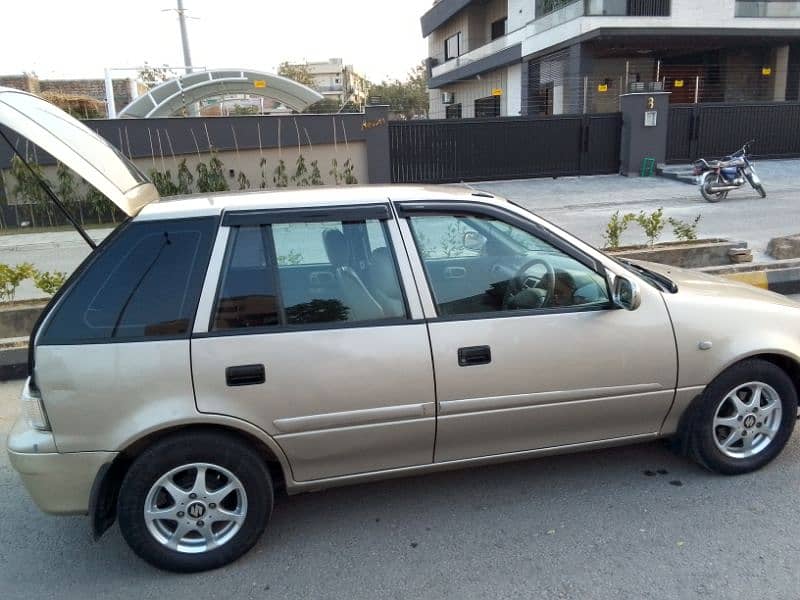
187	57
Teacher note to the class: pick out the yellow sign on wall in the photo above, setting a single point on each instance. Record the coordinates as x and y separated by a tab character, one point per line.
766	71
602	88
678	83
259	83
497	92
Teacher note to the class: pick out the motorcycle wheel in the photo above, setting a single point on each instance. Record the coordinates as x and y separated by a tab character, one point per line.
761	191
710	179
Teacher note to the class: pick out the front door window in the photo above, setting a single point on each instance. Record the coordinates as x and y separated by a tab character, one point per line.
482	265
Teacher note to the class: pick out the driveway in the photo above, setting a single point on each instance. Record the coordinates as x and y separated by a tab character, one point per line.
635	522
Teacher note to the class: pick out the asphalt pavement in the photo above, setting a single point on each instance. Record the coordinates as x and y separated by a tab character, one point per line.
636	522
582	205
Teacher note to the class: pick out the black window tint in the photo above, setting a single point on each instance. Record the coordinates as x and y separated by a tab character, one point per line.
247	295
145	284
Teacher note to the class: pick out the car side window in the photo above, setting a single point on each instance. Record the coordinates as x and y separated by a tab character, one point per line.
247	294
334	274
482	265
144	285
308	273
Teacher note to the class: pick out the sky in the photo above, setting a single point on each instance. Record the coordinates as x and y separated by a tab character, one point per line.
80	38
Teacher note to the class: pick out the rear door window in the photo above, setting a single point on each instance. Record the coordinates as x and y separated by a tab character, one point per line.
144	285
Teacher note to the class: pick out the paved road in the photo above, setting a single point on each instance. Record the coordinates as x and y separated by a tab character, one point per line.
582	526
581	205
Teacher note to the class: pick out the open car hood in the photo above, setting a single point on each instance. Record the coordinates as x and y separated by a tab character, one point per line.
78	147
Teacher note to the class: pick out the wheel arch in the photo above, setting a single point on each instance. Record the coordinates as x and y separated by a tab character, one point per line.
105	491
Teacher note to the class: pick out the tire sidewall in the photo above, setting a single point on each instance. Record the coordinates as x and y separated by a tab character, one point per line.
224	451
704	446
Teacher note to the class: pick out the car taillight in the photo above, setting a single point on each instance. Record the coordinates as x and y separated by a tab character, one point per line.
33	408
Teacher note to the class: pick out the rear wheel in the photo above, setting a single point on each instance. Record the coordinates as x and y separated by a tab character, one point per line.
744	418
195	502
710	179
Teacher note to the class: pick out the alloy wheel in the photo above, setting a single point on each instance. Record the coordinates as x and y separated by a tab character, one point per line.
195	508
747	420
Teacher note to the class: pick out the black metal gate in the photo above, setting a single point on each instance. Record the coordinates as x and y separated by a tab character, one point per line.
714	130
446	151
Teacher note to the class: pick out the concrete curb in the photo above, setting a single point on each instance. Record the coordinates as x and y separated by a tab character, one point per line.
781	276
13	363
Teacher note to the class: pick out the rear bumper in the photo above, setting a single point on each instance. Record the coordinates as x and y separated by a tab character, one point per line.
59	483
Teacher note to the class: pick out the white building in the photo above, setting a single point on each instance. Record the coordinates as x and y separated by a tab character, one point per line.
337	81
527	57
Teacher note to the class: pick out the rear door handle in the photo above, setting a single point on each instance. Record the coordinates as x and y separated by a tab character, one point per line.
474	355
245	375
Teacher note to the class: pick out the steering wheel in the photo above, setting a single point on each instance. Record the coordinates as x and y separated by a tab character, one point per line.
522	281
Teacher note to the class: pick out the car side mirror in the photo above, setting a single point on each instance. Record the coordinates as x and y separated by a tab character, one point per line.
474	241
626	293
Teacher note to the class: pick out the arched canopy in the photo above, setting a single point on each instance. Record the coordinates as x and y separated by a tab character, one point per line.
172	96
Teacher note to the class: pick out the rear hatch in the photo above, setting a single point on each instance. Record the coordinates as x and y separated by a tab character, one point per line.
69	141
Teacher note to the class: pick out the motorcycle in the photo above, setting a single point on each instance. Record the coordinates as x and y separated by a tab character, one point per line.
718	177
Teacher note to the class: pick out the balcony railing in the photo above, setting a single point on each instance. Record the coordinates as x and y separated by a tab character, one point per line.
564	12
767	9
485	51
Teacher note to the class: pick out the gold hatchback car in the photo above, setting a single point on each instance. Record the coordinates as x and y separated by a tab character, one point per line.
216	348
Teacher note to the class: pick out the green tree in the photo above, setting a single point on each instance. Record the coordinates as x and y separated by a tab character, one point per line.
152	76
298	73
406	99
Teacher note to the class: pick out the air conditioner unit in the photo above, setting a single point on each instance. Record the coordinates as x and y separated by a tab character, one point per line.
448	98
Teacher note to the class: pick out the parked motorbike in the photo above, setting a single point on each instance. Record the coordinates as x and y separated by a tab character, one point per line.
718	177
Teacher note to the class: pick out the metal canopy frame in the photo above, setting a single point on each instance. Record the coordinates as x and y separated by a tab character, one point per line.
169	98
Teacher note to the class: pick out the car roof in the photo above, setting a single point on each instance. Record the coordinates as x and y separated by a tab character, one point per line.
215	203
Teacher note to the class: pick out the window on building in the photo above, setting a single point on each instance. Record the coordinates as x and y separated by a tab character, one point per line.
487	107
452	47
499	28
453	111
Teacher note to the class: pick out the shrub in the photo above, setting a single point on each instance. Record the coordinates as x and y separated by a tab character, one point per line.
684	230
11	277
49	282
653	224
615	227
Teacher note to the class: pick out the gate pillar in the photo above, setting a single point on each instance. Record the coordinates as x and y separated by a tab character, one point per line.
645	119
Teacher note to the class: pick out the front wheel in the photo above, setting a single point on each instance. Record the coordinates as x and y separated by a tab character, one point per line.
761	191
195	502
709	179
744	418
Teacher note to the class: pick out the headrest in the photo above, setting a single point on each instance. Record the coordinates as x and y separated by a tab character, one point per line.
335	247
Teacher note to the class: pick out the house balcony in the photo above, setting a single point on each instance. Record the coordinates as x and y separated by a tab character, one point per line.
569	11
767	9
502	51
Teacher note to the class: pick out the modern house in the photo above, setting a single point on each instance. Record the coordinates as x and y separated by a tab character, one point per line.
337	81
543	57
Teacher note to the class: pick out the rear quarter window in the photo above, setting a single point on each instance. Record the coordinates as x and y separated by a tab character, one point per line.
144	285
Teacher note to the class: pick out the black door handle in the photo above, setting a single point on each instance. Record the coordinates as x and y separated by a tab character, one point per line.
245	375
474	355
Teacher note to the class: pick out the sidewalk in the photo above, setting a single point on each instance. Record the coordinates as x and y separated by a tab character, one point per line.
583	205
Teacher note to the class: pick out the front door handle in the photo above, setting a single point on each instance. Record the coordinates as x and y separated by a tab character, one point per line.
245	375
474	355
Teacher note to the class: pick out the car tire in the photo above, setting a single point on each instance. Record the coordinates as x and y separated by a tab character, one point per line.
185	479
744	418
